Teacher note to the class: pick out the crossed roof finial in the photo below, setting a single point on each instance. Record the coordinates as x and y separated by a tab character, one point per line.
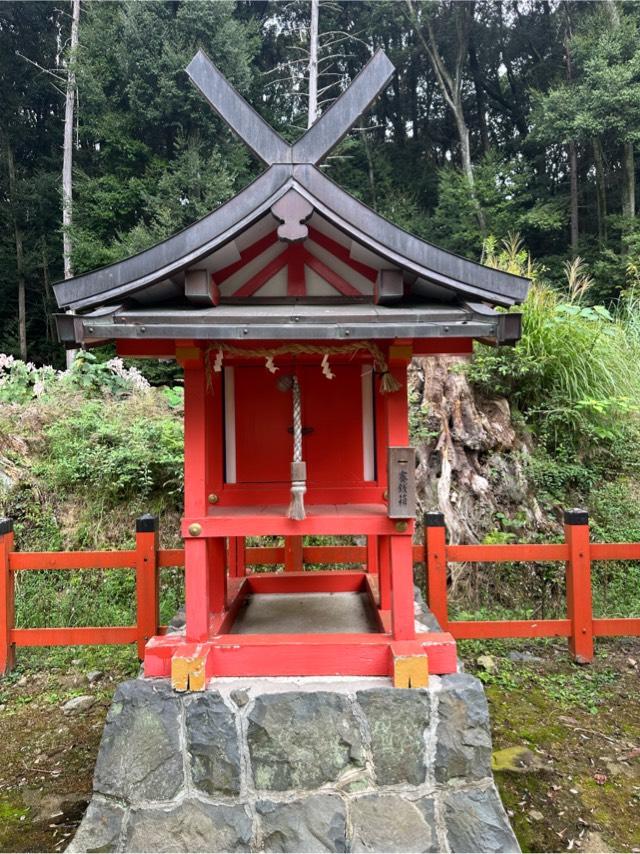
321	137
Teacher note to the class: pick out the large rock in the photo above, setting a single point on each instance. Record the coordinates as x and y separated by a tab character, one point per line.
302	740
397	720
391	822
313	824
100	828
140	754
212	742
476	821
190	826
463	737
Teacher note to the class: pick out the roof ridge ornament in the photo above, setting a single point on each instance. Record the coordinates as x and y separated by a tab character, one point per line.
322	136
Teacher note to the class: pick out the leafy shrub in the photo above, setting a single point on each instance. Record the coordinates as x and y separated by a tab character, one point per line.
113	450
21	382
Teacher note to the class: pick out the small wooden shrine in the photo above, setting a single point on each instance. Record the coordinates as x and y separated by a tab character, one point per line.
295	311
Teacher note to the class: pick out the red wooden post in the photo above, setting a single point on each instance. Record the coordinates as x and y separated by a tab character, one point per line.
196	589
196	471
147	580
293	554
232	557
402	617
384	573
236	557
241	557
7	606
435	546
372	554
217	566
579	602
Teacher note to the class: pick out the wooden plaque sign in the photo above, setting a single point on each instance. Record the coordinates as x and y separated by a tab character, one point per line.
402	483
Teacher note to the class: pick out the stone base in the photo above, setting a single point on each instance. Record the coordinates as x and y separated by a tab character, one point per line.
303	765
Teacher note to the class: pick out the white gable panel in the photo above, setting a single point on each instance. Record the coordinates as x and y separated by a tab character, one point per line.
331	231
228	287
351	276
229	254
275	287
316	285
257	231
365	256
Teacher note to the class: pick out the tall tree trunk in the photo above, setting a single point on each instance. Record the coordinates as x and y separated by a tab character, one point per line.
601	190
313	63
573	183
67	158
572	149
628	158
480	96
451	83
17	235
628	181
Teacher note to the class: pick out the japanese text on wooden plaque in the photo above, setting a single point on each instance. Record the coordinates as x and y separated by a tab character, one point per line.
402	483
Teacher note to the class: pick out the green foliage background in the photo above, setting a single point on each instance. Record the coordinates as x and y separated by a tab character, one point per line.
151	157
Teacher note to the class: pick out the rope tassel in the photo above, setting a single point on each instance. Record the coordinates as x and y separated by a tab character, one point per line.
298	467
298	489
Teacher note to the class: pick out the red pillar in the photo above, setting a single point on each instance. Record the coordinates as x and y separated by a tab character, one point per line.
384	576
236	557
402	618
241	557
217	566
7	606
372	554
436	566
400	545
579	602
195	491
293	554
147	580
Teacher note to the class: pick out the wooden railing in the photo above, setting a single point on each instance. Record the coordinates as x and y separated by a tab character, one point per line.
577	552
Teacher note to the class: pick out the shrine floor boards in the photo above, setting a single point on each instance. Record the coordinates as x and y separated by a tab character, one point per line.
318	613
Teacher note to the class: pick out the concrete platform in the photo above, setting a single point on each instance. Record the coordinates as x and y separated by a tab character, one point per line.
316	613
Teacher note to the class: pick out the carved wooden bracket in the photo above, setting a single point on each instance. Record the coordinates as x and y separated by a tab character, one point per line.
293	211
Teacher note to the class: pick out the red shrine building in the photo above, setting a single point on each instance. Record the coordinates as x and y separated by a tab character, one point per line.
294	310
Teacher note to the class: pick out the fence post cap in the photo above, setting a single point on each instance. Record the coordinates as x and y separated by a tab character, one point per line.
6	525
146	524
576	517
433	519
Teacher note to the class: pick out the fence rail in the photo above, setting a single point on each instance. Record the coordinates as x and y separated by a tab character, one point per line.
577	552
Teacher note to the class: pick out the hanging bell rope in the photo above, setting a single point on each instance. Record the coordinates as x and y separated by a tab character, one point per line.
298	467
388	382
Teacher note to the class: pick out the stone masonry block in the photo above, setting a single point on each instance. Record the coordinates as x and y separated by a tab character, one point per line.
397	719
313	824
476	821
300	740
463	735
393	823
100	828
191	826
140	755
212	742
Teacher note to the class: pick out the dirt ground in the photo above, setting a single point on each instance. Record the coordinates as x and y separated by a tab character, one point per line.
566	744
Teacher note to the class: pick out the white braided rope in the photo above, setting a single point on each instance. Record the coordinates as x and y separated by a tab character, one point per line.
297	422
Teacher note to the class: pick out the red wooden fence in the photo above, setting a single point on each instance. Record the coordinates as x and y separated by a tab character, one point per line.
577	552
579	626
